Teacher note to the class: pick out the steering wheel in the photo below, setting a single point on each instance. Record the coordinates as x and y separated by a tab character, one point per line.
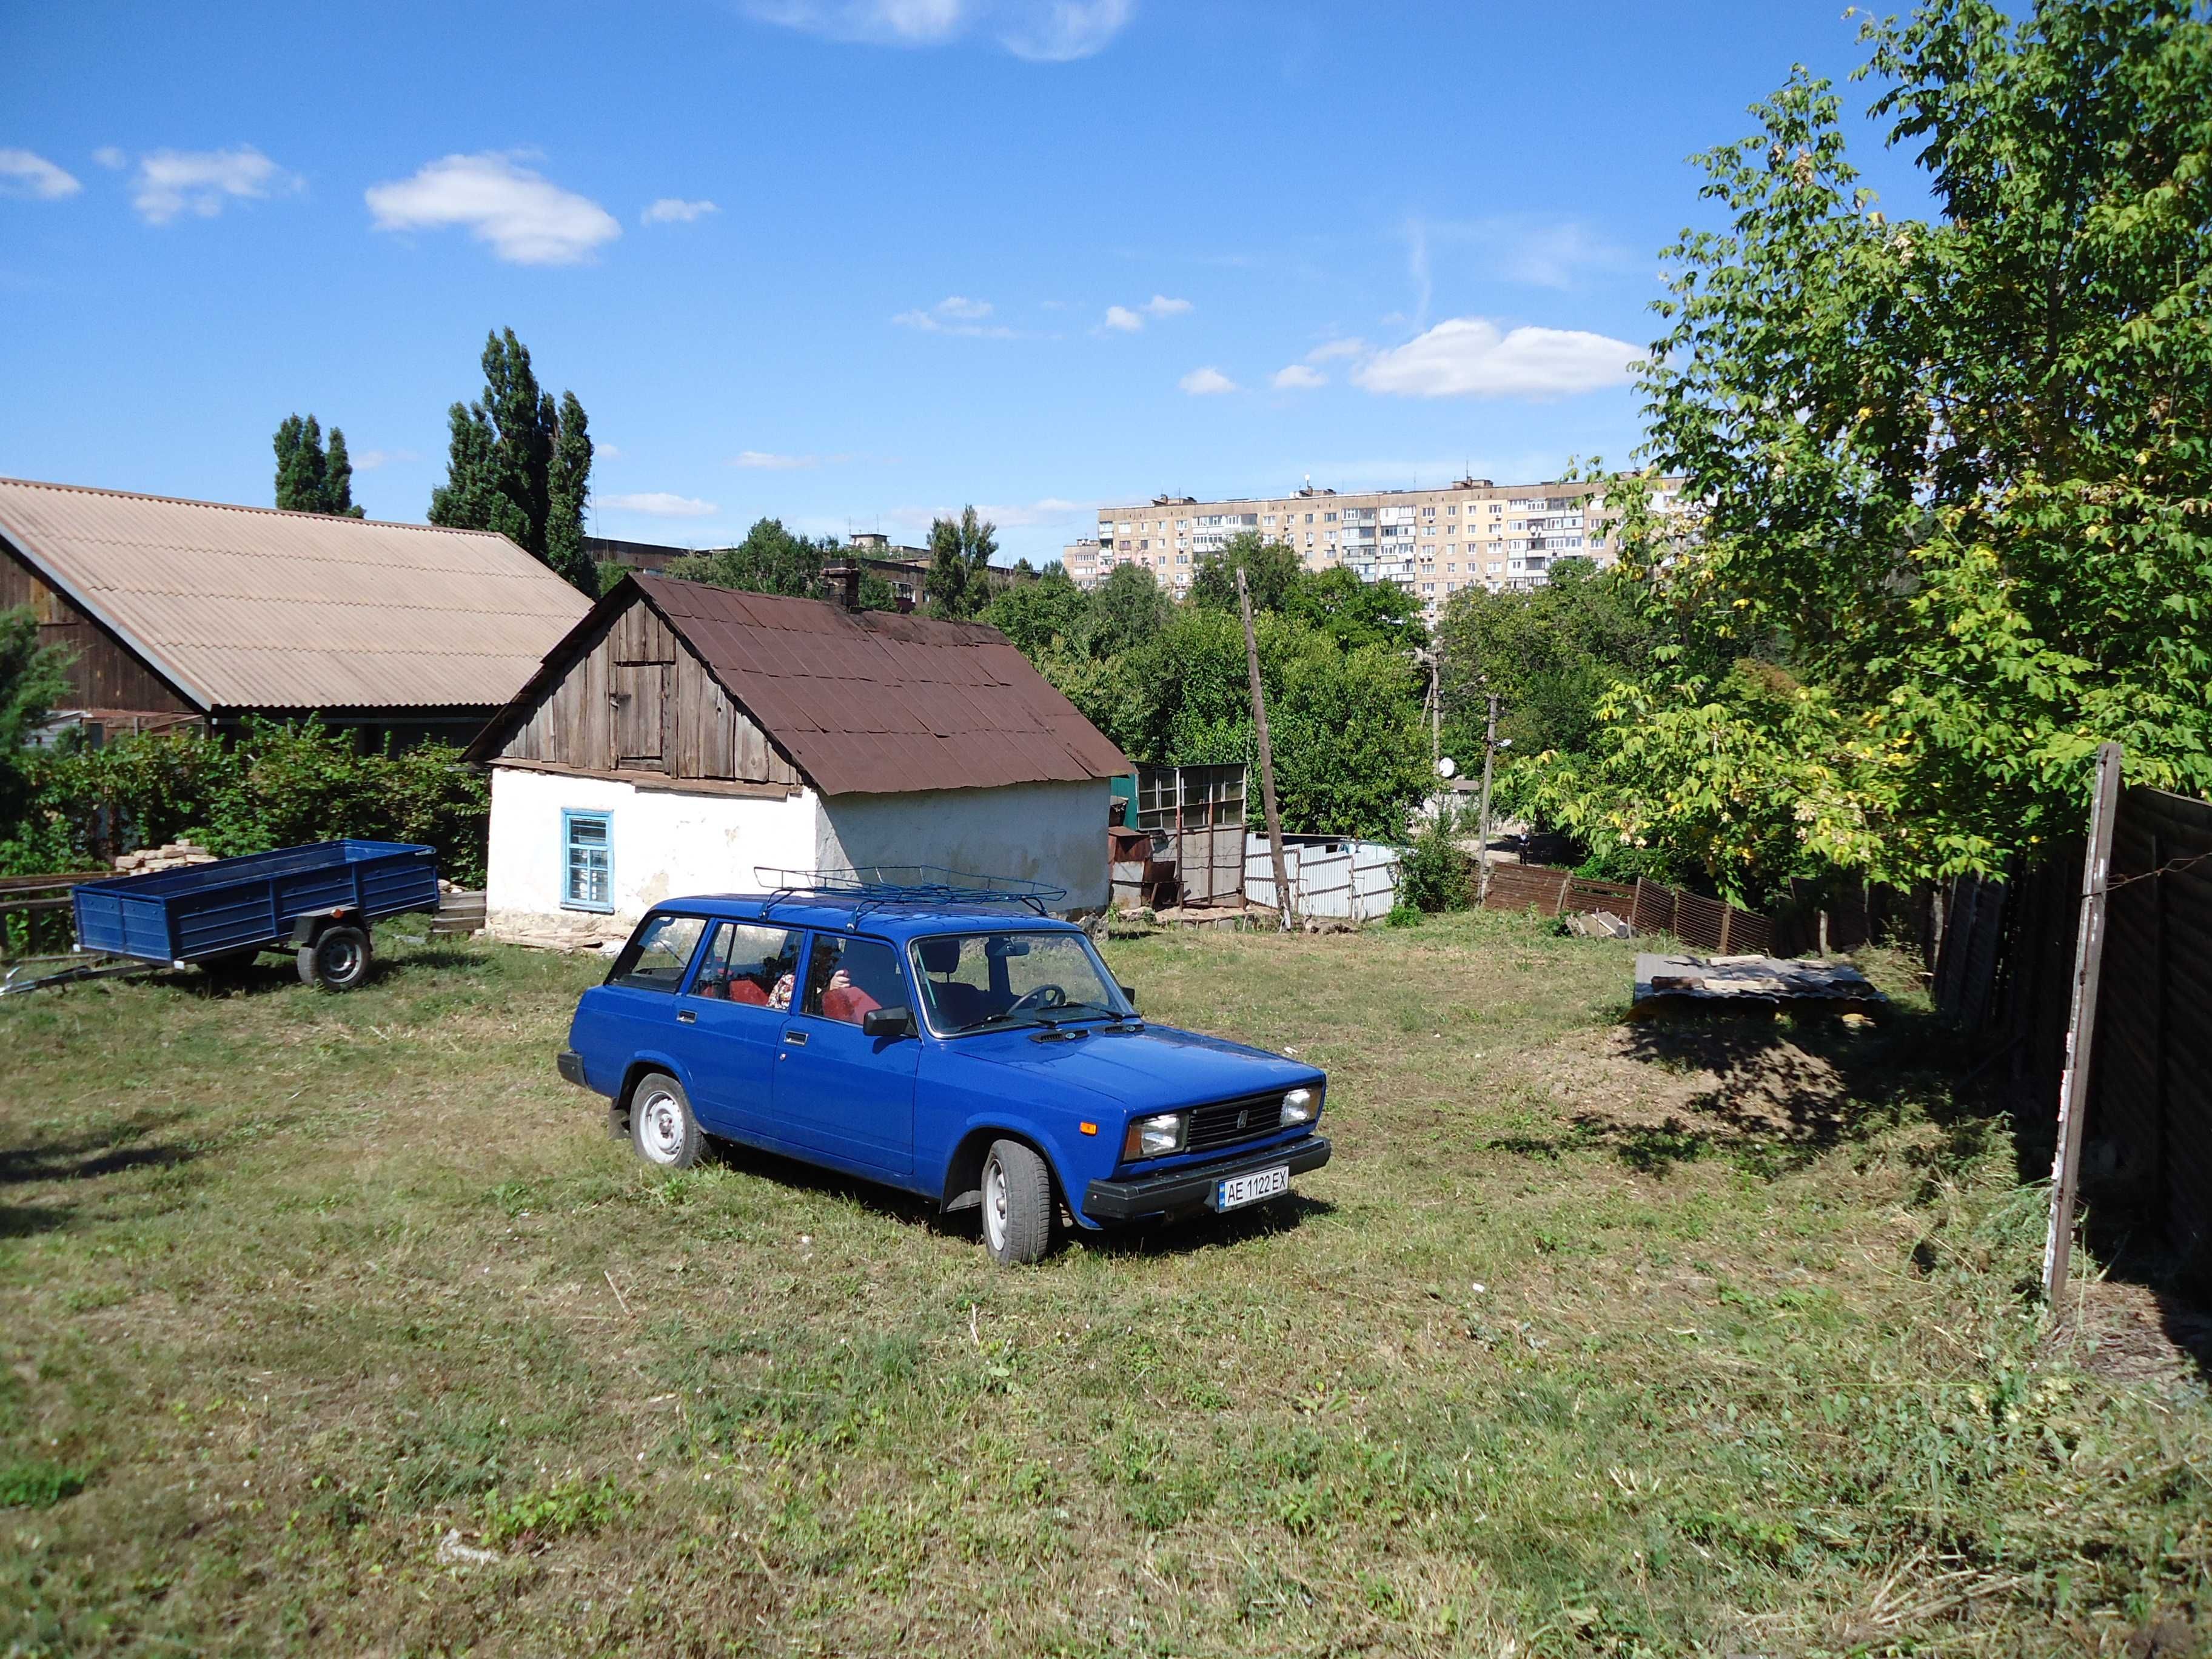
1036	1001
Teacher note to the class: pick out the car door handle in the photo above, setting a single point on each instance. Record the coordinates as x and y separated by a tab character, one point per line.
686	1017
796	1039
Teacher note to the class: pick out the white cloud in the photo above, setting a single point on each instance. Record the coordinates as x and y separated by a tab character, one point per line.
674	210
202	182
523	217
1160	306
761	460
1206	382
1130	322
1546	254
23	174
1299	377
1042	31
369	459
955	314
659	504
1333	349
112	158
1473	357
1122	318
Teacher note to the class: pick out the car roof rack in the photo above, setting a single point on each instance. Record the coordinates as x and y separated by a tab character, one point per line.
892	886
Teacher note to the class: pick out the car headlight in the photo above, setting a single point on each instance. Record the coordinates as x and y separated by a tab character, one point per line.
1298	1107
1156	1137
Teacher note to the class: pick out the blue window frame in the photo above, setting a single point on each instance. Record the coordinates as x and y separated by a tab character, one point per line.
587	852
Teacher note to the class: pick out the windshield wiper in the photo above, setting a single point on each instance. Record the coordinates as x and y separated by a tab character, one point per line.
1030	1019
1068	1011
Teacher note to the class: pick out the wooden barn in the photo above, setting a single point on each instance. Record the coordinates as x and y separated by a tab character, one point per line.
681	738
195	613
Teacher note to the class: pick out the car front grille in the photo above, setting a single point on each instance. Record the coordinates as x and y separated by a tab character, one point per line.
1225	1122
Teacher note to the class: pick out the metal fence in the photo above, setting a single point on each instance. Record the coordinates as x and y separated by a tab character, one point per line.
1651	907
1347	880
2006	967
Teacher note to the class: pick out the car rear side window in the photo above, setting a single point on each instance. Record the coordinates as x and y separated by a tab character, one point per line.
846	978
657	953
744	962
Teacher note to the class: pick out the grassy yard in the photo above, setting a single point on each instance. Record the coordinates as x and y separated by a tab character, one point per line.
1593	1338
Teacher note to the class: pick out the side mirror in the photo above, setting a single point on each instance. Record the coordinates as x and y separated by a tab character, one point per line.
1129	994
896	1021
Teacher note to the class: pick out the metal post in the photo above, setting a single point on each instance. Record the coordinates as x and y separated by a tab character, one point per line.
1267	756
1489	753
2080	1026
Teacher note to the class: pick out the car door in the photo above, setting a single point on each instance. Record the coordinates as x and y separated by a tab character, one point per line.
638	1003
843	1096
736	1028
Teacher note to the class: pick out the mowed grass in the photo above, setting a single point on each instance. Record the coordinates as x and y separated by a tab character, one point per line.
1591	1339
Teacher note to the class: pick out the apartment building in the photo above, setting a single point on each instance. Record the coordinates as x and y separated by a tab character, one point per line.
1431	542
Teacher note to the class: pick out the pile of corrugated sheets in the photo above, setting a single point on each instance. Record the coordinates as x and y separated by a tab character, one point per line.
1664	981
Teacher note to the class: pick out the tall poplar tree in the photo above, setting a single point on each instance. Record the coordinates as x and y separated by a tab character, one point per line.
519	464
308	479
959	564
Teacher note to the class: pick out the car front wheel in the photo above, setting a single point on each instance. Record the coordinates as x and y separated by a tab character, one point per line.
1017	1204
661	1126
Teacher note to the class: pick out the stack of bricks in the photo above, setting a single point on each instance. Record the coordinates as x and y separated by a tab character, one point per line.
172	855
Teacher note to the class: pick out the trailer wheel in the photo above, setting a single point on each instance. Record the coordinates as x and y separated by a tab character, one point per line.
337	960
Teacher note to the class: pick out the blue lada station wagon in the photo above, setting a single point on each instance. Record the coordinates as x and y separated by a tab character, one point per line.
976	1052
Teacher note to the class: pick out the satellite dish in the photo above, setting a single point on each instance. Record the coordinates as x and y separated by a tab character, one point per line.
1447	766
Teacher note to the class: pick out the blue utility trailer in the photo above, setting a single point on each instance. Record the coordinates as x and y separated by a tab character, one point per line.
317	901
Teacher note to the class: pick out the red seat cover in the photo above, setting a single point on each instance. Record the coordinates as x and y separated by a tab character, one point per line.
847	1003
744	991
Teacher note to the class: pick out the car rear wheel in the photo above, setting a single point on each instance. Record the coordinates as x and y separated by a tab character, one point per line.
1017	1204
661	1126
338	960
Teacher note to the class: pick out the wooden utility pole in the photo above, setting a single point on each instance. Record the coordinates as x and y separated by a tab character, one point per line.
1267	756
1482	814
2080	1026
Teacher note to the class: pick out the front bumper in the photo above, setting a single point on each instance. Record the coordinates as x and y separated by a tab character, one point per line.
1176	1191
571	1065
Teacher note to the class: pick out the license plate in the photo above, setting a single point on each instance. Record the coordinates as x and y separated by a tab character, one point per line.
1237	1191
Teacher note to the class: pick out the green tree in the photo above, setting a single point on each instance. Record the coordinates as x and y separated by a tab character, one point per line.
1353	612
1034	614
1271	570
1552	655
309	480
770	560
960	552
1952	477
519	464
1129	609
32	678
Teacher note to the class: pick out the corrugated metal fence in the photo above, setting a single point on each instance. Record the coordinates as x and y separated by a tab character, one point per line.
2006	966
1351	880
1704	924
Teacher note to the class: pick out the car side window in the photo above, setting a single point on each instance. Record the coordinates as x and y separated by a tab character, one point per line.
657	953
846	978
745	962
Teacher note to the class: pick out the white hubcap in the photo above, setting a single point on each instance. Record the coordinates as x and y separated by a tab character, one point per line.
661	1129
994	1203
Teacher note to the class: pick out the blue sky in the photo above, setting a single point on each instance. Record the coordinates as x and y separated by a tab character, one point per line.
850	261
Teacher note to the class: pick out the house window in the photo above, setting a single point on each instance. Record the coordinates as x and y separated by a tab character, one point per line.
587	881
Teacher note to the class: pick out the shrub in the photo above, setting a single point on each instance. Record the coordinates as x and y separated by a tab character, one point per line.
1435	873
273	784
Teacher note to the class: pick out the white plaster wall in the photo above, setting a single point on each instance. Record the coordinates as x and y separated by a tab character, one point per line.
665	845
1049	832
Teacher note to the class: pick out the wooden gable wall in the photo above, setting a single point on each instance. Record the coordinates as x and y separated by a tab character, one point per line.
636	703
104	673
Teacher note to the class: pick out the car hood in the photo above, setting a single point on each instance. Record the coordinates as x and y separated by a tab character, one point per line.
1153	1070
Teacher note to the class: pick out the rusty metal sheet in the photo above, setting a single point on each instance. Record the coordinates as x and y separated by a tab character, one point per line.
878	702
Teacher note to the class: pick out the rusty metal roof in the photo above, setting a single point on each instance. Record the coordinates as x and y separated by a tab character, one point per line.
875	702
248	607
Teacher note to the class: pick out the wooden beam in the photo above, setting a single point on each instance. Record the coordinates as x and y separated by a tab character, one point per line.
2080	1025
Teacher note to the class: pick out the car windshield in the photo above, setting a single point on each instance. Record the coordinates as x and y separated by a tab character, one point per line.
982	982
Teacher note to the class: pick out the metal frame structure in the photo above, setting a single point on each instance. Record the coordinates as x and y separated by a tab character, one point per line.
881	887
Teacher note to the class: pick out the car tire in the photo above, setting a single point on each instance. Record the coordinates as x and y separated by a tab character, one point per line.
1017	1204
338	960
661	1127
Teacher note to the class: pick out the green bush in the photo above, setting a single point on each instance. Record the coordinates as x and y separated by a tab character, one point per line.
1433	873
273	784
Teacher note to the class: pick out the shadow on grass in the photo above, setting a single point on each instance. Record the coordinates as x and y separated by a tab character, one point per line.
1786	1087
1204	1229
277	972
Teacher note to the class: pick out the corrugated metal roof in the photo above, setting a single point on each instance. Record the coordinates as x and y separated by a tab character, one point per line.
875	702
247	607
